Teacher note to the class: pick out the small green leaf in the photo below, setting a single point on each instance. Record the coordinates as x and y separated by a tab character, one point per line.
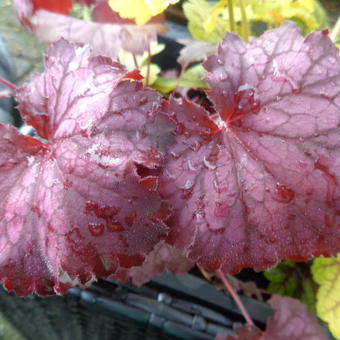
294	280
191	78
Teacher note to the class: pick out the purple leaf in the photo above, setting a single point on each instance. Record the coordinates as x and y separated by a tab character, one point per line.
259	180
163	256
291	321
105	39
73	204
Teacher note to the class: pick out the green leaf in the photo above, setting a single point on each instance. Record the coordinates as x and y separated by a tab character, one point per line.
191	78
294	280
308	14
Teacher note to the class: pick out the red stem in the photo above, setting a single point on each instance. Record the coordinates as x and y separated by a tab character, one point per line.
183	69
235	297
7	83
147	78
135	61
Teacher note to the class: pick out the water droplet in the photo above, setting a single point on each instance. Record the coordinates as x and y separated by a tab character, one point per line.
277	98
174	154
285	194
223	76
208	164
195	145
190	166
179	101
143	100
219	61
303	164
96	229
221	209
325	96
325	32
188	185
114	226
67	184
255	108
187	194
296	90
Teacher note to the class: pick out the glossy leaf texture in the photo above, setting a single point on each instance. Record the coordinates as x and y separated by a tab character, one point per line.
74	204
326	272
290	321
258	180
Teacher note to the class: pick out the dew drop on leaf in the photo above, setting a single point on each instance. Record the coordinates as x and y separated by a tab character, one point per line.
285	194
96	229
114	226
223	76
208	164
143	100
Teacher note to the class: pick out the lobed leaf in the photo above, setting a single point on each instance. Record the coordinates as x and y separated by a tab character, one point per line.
258	181
74	205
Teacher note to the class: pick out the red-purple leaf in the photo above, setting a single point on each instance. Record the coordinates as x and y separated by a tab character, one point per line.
259	180
102	12
105	39
291	321
73	205
164	256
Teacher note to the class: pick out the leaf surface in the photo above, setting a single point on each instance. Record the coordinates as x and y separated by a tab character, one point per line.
162	257
290	321
326	272
105	39
258	181
74	206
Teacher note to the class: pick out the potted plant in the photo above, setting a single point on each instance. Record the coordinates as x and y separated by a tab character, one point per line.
121	180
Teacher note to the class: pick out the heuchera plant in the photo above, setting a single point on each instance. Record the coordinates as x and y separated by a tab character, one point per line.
120	182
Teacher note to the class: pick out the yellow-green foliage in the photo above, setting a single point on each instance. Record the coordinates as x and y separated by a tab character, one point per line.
308	14
326	272
209	21
140	10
